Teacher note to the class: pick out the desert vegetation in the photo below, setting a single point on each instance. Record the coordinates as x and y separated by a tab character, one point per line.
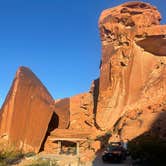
41	162
148	149
10	156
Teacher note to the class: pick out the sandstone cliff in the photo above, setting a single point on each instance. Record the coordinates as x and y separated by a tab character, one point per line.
133	68
27	112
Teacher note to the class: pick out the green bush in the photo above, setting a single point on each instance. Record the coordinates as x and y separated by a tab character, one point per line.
9	156
149	149
30	154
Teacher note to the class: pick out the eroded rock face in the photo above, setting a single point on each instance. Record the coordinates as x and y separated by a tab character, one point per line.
62	109
80	124
26	112
133	68
81	111
135	124
128	98
78	110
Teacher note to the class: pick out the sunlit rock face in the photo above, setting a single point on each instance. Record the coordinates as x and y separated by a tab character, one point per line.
26	112
133	68
80	108
81	120
81	111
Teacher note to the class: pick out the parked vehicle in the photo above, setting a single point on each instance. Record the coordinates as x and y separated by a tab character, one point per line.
115	152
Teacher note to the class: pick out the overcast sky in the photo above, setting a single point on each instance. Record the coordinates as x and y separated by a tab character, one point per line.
57	39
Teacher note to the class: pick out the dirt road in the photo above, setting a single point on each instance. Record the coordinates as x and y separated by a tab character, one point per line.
64	160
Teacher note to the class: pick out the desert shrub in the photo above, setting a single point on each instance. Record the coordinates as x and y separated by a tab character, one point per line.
149	149
104	139
43	162
30	154
10	156
3	163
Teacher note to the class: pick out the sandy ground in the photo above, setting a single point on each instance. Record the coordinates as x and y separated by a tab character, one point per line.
63	160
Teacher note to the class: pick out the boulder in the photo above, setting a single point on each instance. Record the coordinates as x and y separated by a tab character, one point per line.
62	109
96	146
27	111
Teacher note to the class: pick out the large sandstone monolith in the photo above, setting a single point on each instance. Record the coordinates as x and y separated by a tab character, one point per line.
28	112
133	66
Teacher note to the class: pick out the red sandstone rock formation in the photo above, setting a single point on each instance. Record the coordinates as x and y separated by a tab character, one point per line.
62	109
81	111
80	108
81	120
133	68
27	112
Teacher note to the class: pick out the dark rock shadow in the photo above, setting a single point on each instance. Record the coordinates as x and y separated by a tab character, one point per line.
147	149
104	139
54	123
